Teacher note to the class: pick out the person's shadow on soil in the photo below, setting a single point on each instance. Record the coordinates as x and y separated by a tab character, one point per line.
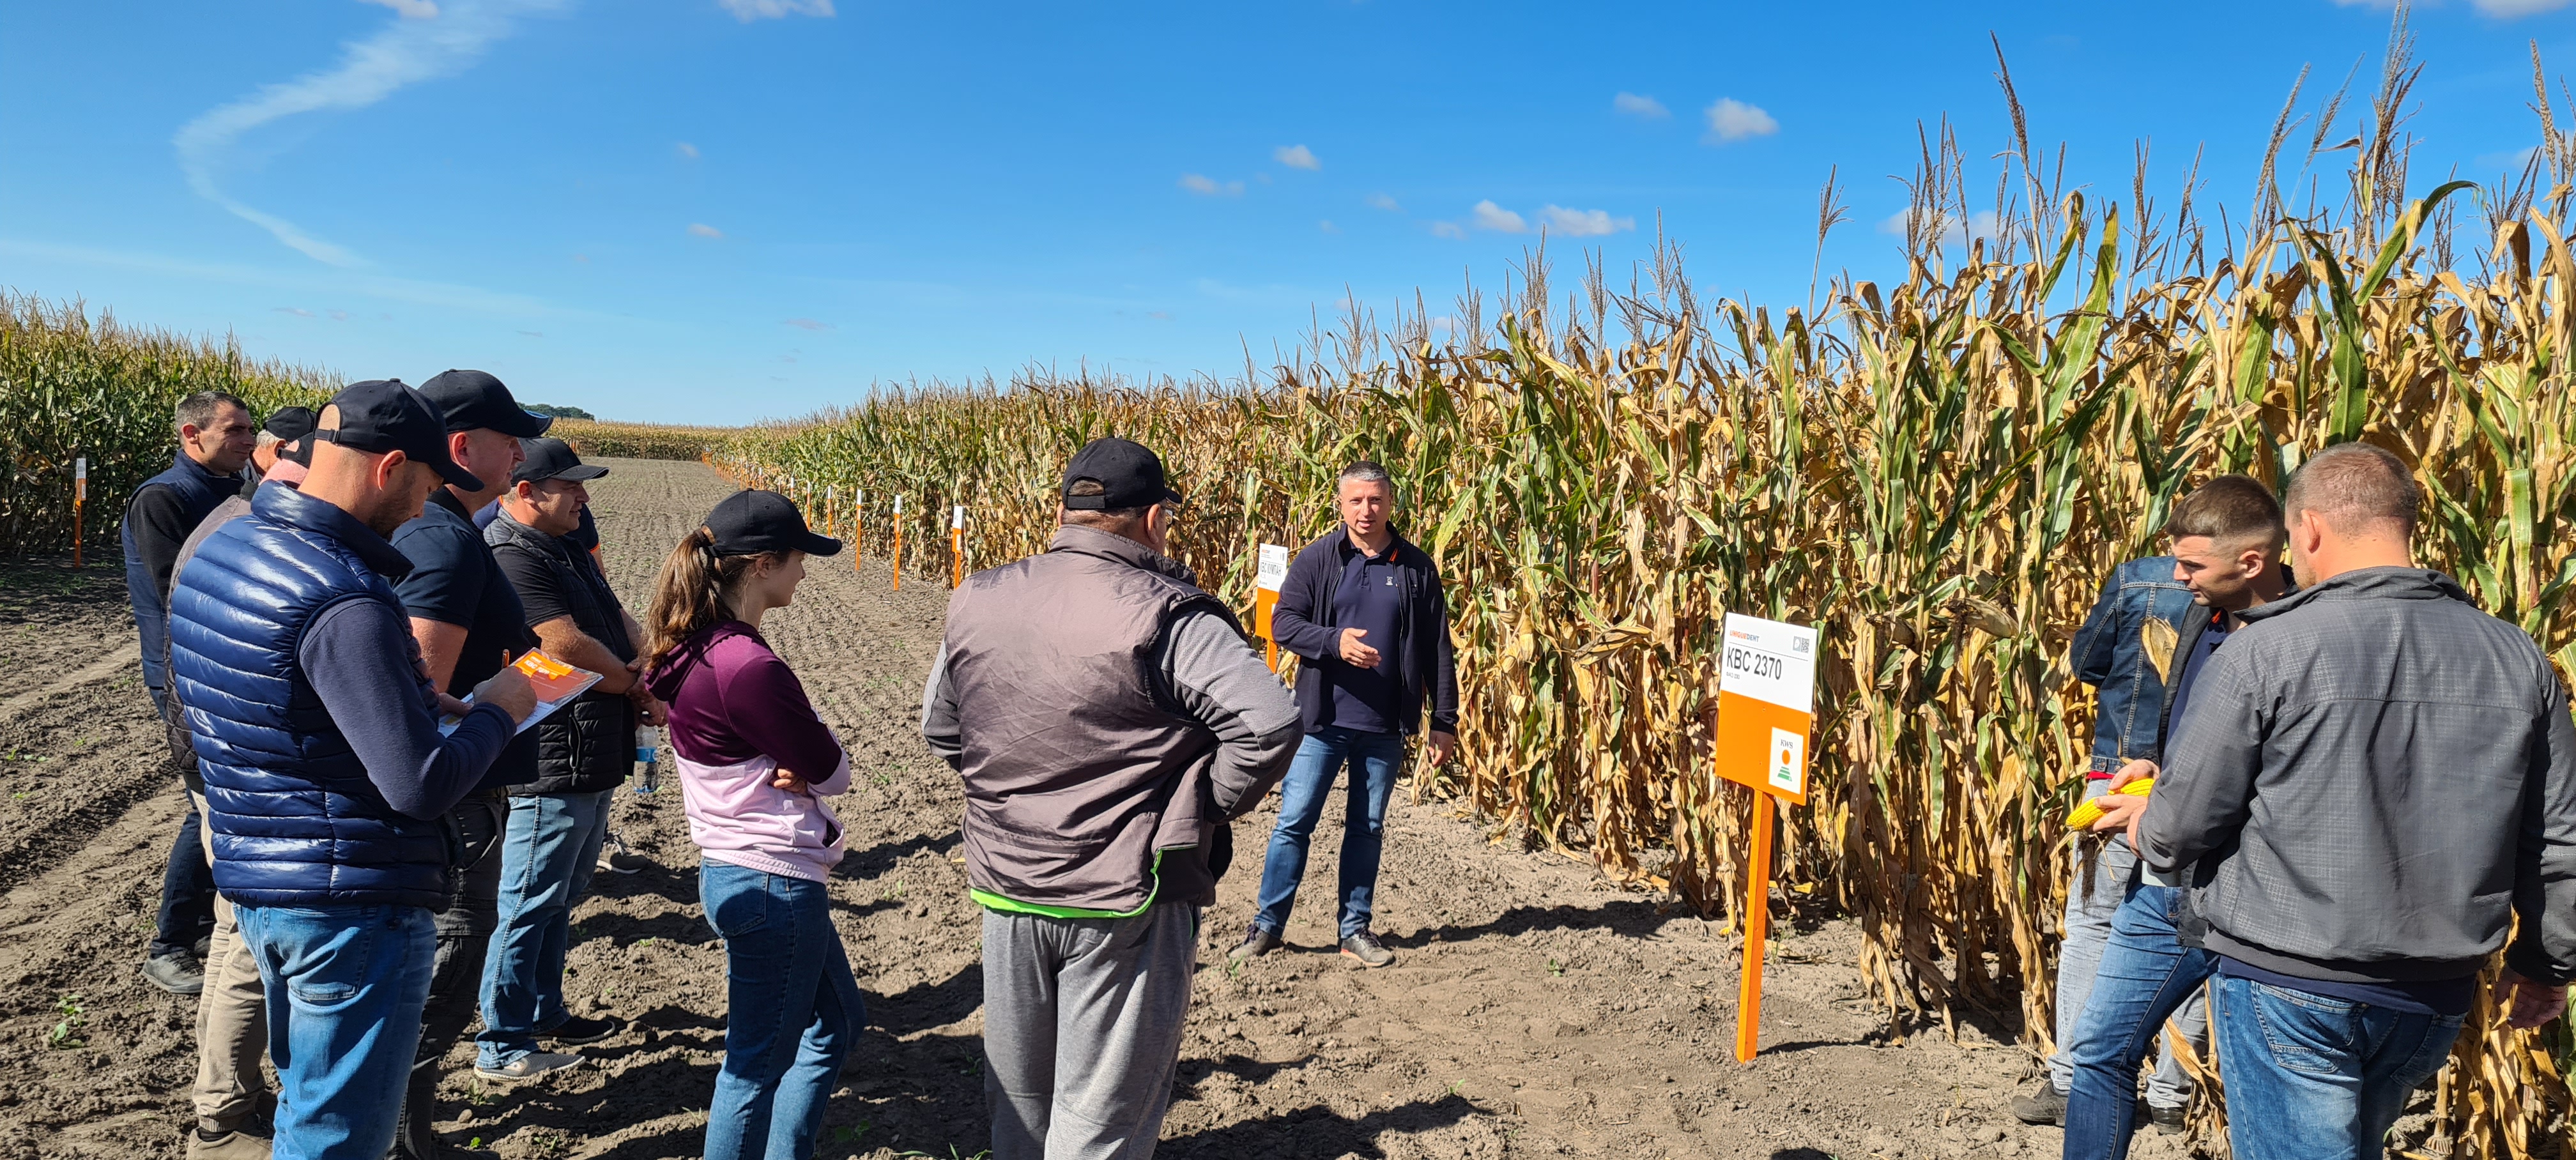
626	930
1318	1131
929	1005
1627	918
876	860
680	886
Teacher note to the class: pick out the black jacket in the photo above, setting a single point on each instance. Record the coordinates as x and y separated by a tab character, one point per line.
1303	624
589	745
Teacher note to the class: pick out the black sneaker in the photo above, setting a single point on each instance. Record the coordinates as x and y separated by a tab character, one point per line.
1367	949
1256	943
2170	1121
175	973
2040	1105
578	1029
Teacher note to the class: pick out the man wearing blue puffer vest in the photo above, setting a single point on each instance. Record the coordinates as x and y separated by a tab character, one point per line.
317	732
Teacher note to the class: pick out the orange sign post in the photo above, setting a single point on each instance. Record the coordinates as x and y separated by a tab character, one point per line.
898	543
957	546
1766	700
1265	596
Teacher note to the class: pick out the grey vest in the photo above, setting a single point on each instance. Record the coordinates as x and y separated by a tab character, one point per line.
1079	770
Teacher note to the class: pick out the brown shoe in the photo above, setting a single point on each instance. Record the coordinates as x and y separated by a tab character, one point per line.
226	1146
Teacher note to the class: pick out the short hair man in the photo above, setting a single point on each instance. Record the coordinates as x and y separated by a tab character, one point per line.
470	625
1110	719
1364	610
327	779
2371	786
215	436
584	751
285	425
2227	539
232	1011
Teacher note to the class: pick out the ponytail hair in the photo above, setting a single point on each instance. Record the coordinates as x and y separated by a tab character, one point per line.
689	595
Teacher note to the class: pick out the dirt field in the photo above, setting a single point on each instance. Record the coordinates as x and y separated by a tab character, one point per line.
1534	1011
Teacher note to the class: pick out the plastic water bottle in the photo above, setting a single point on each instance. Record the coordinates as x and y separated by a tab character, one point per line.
648	753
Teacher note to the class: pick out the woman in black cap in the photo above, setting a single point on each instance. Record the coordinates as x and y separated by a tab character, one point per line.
755	762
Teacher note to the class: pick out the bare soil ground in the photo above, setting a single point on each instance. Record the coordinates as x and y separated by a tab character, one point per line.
1534	1010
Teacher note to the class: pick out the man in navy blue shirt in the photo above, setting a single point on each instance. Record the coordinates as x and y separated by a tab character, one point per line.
470	624
1363	609
215	440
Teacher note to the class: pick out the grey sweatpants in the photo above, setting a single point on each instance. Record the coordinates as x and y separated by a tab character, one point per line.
1082	1030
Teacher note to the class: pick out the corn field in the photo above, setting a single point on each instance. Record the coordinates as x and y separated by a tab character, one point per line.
1938	472
596	439
73	386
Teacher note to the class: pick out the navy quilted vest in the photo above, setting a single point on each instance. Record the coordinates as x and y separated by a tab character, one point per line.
295	820
201	491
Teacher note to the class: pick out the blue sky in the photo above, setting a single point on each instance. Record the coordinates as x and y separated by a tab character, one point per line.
720	210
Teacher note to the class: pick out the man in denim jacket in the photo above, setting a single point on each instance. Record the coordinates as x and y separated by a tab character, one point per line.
2113	654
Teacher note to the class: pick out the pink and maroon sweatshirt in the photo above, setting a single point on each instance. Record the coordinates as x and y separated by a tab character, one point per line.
737	716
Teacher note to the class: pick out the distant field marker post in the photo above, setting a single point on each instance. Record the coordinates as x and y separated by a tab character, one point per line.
858	530
80	499
898	543
1265	596
1766	701
957	546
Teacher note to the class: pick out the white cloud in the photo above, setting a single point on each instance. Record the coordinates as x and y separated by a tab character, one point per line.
1206	186
703	230
1952	234
687	150
1448	230
1489	216
809	324
1384	202
339	316
402	53
408	9
296	312
1327	226
533	333
1296	157
1584	223
750	10
1640	106
1733	120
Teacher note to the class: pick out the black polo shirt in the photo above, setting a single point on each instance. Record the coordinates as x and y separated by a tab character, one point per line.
454	580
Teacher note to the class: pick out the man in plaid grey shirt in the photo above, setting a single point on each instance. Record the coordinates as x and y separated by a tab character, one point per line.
2375	780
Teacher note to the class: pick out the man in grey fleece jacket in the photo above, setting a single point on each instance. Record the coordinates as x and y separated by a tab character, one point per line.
1110	720
2376	779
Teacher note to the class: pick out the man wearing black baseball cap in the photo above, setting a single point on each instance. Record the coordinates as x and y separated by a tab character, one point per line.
326	778
557	822
470	624
1093	694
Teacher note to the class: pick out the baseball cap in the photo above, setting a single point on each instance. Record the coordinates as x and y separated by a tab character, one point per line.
544	459
382	415
1130	475
471	399
289	422
747	522
298	450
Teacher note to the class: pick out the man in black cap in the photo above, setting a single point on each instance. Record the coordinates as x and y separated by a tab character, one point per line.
470	624
584	750
285	425
232	1012
1110	720
327	780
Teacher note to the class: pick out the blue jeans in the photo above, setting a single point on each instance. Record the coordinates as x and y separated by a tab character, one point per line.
345	986
1374	759
792	1011
2312	1077
548	852
2091	900
2145	975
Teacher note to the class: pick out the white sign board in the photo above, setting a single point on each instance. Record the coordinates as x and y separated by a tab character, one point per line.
957	518
1274	568
1770	662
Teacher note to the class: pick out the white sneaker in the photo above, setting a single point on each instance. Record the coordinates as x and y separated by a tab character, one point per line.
529	1066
